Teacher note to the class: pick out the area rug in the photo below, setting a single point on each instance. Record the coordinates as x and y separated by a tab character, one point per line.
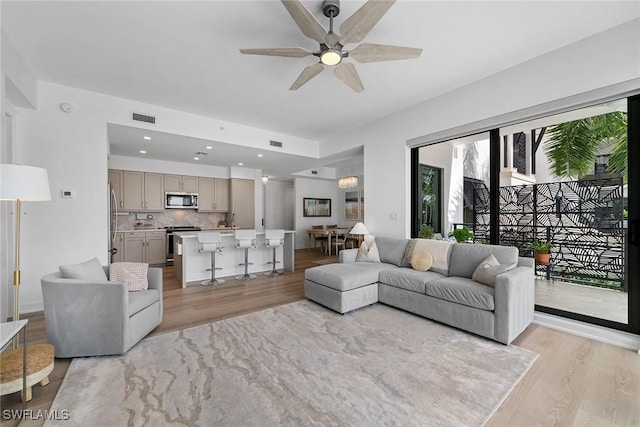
298	364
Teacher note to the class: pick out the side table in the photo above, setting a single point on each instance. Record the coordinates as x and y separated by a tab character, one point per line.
9	330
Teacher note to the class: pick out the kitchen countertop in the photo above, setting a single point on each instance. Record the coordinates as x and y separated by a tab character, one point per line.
186	234
135	230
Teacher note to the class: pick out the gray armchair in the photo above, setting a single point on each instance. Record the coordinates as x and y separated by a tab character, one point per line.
85	318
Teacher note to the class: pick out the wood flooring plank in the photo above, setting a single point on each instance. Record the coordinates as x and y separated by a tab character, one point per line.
574	382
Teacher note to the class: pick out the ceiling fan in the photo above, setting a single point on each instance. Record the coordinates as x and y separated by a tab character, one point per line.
332	52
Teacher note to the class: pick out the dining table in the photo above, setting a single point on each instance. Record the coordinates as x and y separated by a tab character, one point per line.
329	232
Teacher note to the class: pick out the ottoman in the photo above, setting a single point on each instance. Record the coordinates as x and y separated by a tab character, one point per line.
344	287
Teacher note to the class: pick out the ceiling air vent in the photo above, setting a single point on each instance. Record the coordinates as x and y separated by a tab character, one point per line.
275	143
143	118
314	172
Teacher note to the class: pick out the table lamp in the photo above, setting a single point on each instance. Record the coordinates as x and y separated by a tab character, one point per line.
21	184
359	230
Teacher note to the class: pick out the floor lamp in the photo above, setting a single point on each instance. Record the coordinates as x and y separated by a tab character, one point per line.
21	184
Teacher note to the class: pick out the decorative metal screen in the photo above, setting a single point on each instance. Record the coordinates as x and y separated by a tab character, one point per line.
584	220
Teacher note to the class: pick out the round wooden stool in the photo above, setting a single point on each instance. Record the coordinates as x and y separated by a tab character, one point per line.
39	366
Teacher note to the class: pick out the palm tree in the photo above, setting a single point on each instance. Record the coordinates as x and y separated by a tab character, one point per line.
572	146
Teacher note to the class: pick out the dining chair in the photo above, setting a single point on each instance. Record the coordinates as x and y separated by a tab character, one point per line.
340	239
322	239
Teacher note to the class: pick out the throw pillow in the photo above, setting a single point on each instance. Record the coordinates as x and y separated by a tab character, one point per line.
134	274
368	251
439	250
421	261
488	269
90	271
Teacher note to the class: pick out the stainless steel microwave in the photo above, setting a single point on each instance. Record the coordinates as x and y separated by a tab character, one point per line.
181	200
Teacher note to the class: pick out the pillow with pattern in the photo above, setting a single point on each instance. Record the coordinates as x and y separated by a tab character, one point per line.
134	274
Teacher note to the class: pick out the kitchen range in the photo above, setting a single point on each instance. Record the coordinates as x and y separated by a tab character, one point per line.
170	231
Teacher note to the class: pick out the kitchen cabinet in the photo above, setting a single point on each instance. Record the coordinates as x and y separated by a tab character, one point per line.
242	202
213	195
181	183
149	247
116	181
142	191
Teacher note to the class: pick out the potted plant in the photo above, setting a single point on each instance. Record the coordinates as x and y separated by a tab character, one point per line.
462	234
426	231
542	251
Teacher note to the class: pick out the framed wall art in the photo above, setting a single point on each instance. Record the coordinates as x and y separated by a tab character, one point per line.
316	207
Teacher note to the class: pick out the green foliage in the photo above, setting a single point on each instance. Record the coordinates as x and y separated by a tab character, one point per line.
462	234
572	146
540	247
426	231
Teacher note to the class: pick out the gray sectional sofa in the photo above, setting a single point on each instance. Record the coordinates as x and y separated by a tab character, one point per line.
448	296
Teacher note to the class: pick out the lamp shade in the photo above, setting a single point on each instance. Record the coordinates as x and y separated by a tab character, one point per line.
25	183
359	228
265	179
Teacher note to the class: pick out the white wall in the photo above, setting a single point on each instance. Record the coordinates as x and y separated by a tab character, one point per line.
161	166
313	188
73	148
568	71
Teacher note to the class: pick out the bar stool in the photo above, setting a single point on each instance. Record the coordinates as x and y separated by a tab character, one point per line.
246	239
211	241
273	239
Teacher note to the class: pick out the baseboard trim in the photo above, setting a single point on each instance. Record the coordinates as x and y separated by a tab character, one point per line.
587	330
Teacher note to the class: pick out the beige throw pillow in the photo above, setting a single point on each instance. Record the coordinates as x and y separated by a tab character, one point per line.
421	261
488	269
134	274
368	251
440	250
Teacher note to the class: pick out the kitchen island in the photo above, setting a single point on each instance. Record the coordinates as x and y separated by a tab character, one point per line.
190	265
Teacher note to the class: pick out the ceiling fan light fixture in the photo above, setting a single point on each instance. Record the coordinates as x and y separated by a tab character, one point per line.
331	57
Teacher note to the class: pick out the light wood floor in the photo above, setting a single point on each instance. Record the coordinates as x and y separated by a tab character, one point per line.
574	382
596	302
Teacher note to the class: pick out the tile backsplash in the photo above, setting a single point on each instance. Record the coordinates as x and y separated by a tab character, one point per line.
175	217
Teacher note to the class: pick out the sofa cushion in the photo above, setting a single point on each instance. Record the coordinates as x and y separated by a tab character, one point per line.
406	278
465	257
90	271
488	269
392	249
463	291
344	277
140	300
368	251
440	251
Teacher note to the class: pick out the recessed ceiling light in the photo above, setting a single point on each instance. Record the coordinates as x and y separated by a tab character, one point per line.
209	147
259	155
147	137
196	158
143	152
240	164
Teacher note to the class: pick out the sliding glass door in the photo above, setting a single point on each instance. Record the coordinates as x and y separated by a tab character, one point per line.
564	180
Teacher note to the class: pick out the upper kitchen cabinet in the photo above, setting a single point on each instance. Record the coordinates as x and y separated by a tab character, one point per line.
242	203
116	183
143	191
213	195
181	183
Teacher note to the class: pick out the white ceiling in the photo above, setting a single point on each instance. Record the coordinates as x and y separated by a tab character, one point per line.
184	55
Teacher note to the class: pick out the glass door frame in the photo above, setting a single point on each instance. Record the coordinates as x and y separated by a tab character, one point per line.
633	183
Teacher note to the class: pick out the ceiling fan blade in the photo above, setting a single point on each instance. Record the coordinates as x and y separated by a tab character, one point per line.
307	23
307	74
368	52
358	25
289	52
346	72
